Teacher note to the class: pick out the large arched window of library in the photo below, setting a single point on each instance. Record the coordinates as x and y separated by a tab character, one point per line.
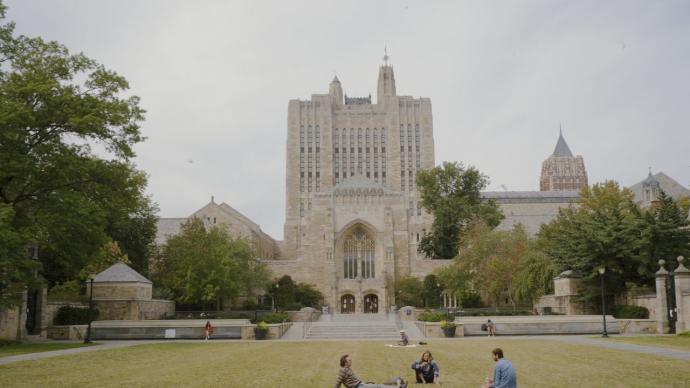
358	254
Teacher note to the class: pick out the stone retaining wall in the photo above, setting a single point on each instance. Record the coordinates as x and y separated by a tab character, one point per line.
433	329
182	329
637	326
534	325
67	332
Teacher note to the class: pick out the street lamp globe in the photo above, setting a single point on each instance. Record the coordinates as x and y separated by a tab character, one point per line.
601	270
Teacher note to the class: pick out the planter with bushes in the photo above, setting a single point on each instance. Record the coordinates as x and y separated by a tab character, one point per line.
261	330
448	329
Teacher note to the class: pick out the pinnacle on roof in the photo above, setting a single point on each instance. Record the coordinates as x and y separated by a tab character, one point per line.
562	148
335	80
651	180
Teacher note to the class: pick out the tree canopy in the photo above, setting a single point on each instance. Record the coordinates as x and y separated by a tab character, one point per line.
207	266
498	264
452	193
608	229
67	184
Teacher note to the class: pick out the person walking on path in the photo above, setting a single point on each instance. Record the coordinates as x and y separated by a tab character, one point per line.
348	378
426	369
504	373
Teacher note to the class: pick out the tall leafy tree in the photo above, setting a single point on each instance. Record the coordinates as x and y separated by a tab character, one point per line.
207	266
408	291
432	291
487	262
452	193
603	230
665	235
55	109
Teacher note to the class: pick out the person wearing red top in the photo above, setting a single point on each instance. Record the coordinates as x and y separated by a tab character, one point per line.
208	329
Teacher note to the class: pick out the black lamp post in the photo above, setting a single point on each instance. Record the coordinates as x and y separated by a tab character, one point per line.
87	340
601	270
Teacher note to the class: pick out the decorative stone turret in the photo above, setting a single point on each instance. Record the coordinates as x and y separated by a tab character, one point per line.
562	171
650	190
120	292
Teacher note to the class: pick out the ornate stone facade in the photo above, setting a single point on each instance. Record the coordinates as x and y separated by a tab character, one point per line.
562	171
353	217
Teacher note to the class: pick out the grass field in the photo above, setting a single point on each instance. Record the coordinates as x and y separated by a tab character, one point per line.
464	363
671	342
15	349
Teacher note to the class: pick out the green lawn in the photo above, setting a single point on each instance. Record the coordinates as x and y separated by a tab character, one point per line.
672	342
463	363
14	349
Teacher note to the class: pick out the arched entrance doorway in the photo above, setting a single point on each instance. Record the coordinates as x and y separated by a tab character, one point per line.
371	304
347	304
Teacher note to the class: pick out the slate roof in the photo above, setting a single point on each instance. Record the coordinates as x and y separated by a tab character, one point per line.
120	272
168	227
666	183
562	148
531	196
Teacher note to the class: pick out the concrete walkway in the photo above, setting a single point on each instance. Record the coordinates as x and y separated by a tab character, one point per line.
628	347
64	352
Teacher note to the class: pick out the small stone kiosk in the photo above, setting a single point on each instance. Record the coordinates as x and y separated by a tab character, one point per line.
121	293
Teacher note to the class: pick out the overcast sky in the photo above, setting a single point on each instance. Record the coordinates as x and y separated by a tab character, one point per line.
216	77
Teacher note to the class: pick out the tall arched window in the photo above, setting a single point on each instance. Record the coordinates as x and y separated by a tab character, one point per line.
359	254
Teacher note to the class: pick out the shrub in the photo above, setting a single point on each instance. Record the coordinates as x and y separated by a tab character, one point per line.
447	325
262	326
250	304
68	315
71	291
469	299
428	316
293	306
630	312
4	342
684	334
276	318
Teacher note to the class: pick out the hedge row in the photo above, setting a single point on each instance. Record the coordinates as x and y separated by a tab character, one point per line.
68	315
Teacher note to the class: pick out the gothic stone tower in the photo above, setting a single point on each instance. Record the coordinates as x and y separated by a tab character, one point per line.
353	217
562	171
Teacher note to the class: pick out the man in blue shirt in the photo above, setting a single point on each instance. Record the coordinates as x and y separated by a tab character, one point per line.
504	373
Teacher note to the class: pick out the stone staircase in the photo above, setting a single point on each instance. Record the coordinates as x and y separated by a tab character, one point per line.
354	326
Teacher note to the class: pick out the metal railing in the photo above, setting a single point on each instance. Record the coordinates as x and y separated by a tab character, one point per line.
306	326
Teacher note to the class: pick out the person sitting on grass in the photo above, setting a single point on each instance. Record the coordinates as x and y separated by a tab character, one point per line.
504	373
426	369
404	339
348	378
